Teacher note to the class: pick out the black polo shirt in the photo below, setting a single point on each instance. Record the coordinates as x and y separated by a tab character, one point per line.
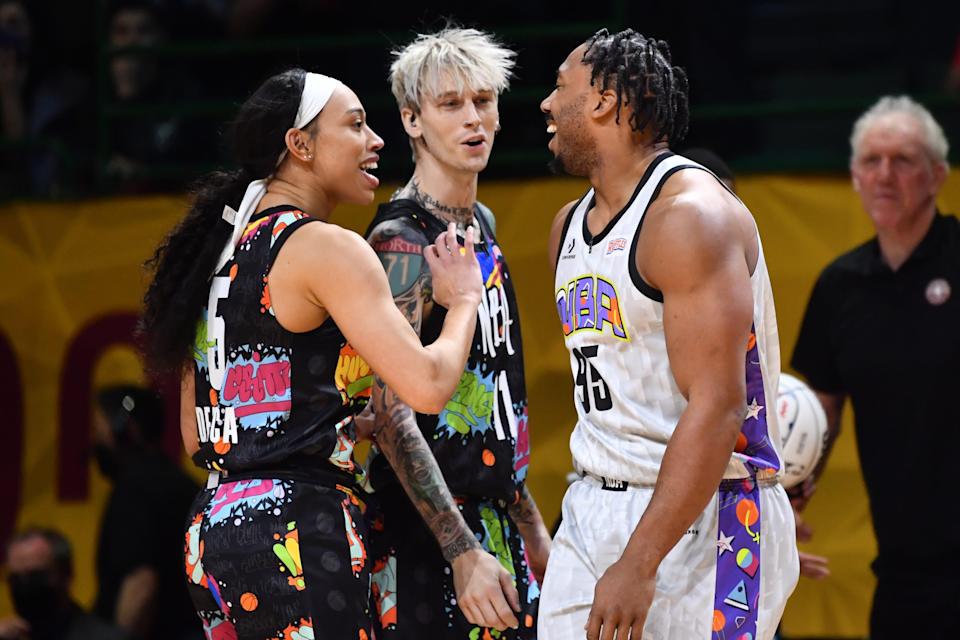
891	341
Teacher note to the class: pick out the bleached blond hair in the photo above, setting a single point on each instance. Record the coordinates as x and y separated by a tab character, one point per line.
467	57
934	139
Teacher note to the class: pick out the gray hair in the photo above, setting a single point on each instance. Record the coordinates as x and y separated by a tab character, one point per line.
934	139
468	57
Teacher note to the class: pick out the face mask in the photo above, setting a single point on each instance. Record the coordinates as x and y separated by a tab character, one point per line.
107	460
36	598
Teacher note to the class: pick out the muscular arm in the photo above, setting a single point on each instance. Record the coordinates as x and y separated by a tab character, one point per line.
324	270
697	247
397	434
698	259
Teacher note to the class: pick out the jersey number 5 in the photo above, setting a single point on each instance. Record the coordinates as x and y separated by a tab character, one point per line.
590	381
217	351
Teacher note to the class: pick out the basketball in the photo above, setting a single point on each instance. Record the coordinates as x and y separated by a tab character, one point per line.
249	601
803	429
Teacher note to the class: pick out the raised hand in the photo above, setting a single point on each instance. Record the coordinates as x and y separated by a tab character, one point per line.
454	269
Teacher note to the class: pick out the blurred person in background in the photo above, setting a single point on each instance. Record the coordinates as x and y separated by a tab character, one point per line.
39	573
140	79
881	327
142	587
42	112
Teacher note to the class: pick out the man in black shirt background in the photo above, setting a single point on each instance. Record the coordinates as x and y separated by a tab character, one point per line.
143	586
39	564
883	327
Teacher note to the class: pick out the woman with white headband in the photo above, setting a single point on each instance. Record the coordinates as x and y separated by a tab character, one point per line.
269	316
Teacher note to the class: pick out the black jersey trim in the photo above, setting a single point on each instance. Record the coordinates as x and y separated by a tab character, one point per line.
327	324
405	209
284	236
280	208
485	230
566	228
642	285
590	239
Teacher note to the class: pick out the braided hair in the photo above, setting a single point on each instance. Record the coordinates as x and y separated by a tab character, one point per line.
183	262
640	71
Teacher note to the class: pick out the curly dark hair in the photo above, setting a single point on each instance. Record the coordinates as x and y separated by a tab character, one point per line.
183	263
639	69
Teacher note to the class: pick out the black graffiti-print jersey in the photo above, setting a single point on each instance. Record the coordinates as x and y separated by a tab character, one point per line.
480	438
268	399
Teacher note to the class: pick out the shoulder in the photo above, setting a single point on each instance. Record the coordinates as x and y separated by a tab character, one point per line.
853	262
487	214
694	212
401	214
843	274
693	232
328	233
951	226
397	235
325	245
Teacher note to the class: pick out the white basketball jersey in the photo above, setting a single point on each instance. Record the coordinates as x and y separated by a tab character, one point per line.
627	400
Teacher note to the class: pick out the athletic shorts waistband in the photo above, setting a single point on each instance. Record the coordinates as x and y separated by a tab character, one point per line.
615	484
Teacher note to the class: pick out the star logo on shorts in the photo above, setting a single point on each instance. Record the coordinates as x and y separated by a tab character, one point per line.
753	410
723	544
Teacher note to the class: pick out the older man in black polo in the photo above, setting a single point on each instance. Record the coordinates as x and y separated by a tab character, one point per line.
883	327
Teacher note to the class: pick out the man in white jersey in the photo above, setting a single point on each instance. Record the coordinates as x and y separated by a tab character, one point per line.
677	528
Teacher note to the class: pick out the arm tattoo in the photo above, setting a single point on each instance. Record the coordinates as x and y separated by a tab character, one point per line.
399	437
461	215
524	511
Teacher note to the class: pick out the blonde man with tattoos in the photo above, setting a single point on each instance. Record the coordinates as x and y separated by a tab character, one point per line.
447	86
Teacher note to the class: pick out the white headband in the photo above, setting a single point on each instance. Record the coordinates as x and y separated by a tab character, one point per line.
317	89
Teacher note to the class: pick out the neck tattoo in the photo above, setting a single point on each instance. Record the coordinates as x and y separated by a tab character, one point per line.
448	213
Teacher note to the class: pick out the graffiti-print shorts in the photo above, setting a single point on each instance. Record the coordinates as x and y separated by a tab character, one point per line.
270	558
412	592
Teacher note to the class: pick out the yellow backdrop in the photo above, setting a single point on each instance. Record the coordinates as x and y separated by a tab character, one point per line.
67	264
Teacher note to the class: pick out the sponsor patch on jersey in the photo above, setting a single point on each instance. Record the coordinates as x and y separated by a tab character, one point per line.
614	485
617	244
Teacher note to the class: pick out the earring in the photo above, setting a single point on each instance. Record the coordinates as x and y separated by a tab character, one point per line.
309	156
